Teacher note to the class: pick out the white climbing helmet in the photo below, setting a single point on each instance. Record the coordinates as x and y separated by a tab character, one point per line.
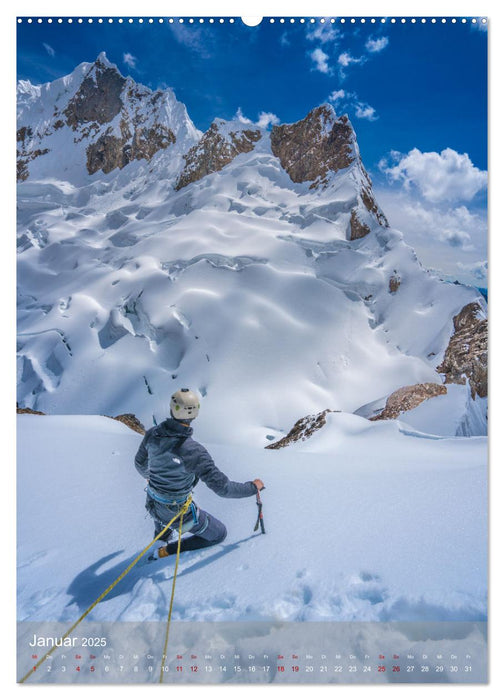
184	404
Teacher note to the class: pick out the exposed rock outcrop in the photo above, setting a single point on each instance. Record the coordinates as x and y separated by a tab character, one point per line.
119	121
313	147
131	421
408	397
357	228
367	197
218	147
28	410
110	152
24	133
22	171
466	357
322	144
98	98
302	429
24	153
394	283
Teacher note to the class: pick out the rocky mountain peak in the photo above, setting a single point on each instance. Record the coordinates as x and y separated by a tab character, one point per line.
219	145
98	99
317	148
99	119
102	121
310	149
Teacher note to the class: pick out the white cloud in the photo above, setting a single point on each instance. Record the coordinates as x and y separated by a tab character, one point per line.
365	111
49	49
478	269
345	60
337	96
284	40
241	117
449	239
349	101
194	38
457	227
130	60
323	32
320	59
447	176
266	119
376	45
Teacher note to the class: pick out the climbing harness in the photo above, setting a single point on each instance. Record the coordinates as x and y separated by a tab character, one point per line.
260	519
171	503
180	515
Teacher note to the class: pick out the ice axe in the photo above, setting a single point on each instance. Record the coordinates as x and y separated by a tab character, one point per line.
260	519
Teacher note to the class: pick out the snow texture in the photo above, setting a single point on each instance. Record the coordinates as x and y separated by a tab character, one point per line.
397	537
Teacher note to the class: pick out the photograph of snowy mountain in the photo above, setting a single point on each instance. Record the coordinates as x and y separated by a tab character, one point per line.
289	220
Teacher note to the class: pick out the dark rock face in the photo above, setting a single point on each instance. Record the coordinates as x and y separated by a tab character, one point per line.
214	152
131	421
24	133
23	152
309	149
370	203
407	398
97	102
466	357
98	99
109	152
22	171
320	144
394	283
302	430
357	228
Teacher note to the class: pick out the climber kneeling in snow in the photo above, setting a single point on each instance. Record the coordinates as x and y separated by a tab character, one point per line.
173	463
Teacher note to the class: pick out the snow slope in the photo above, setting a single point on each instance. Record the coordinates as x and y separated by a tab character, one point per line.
135	294
400	536
243	285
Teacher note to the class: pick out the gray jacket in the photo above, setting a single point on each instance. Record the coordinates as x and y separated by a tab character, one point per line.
173	463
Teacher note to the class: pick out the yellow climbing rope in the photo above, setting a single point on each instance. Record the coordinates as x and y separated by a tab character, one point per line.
163	657
180	515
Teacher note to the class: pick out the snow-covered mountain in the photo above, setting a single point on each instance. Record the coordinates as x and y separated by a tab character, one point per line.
255	266
95	120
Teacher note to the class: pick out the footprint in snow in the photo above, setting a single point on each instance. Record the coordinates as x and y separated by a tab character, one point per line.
367	586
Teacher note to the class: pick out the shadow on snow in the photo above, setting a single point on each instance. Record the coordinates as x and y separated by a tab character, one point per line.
88	585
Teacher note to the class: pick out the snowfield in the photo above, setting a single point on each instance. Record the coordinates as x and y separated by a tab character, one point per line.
365	521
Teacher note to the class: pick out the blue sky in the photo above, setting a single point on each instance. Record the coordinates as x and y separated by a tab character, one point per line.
416	95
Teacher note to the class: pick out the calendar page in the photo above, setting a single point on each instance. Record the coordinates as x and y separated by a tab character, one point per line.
252	350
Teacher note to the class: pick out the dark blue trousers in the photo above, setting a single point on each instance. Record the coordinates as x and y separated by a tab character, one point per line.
205	529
